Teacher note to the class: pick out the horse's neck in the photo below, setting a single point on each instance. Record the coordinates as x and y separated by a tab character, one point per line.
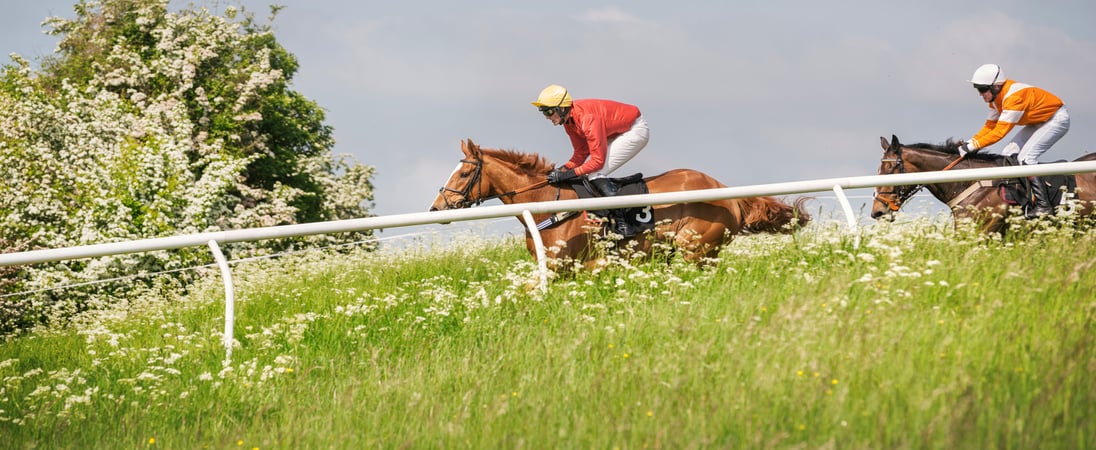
921	160
508	181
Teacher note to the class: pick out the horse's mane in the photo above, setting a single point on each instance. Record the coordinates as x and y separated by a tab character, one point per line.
529	163
951	147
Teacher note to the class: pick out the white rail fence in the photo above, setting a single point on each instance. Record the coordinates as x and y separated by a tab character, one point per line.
525	210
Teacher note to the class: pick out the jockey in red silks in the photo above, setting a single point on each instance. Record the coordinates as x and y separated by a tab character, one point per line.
605	134
1042	115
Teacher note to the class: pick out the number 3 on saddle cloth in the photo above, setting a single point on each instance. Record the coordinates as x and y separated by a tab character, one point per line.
640	217
1017	191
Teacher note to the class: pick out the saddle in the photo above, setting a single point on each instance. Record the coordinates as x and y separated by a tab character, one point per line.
1017	191
640	217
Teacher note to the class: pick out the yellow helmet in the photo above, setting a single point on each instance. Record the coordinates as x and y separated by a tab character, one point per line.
553	96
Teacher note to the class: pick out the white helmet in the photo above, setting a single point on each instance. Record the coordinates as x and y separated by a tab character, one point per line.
987	75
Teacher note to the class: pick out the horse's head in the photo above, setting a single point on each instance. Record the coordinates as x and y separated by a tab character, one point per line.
485	174
465	185
889	199
920	157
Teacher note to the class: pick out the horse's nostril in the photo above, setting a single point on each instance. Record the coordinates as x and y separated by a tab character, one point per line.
883	215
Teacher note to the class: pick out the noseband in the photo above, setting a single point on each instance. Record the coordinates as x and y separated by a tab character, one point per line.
474	183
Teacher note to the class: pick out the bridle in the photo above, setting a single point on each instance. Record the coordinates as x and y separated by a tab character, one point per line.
894	199
476	183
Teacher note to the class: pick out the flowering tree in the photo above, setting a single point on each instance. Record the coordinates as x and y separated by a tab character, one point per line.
148	123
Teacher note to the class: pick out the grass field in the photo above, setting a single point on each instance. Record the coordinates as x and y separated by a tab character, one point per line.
909	335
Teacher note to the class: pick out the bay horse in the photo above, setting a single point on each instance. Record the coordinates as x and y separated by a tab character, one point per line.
700	230
976	200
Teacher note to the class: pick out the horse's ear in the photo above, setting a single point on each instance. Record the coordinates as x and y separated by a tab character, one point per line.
894	141
467	146
883	142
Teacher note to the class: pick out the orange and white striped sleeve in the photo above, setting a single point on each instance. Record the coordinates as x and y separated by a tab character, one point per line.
1022	104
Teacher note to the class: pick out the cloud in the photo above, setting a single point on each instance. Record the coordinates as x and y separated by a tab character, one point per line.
609	15
752	94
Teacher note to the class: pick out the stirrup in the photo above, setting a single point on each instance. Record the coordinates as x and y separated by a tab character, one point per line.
1036	211
623	228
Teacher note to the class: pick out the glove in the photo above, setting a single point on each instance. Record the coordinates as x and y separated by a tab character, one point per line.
557	176
964	148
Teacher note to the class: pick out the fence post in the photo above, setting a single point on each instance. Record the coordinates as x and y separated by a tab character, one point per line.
230	299
542	261
850	219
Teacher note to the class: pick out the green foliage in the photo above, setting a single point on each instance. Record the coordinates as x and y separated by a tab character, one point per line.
149	123
921	336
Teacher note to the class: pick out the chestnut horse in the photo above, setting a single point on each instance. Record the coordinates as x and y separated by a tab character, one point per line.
698	229
980	201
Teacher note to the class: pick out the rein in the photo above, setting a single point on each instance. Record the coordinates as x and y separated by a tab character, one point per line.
517	191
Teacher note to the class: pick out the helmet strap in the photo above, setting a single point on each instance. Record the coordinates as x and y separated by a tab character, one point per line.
564	112
995	89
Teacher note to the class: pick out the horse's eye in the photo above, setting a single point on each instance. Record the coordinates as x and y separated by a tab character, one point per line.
464	174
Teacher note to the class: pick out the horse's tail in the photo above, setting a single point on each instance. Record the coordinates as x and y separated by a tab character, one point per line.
770	215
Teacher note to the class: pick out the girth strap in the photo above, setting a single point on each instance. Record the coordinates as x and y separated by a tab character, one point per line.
968	191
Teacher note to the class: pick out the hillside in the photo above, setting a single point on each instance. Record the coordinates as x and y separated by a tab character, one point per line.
908	335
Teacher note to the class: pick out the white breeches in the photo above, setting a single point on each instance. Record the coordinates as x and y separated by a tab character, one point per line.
1034	140
624	147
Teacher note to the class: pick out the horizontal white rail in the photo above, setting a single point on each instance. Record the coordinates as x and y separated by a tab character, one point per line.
487	212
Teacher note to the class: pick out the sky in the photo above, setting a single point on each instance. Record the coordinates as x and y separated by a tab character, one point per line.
750	92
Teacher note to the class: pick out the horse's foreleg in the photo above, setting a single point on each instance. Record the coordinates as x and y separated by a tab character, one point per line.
696	246
988	219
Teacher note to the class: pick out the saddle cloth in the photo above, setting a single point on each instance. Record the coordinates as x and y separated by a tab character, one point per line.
1017	191
640	217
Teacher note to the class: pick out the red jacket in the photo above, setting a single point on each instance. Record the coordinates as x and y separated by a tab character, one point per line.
591	125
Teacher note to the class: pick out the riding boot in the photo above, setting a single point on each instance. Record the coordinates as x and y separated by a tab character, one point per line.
609	189
1041	197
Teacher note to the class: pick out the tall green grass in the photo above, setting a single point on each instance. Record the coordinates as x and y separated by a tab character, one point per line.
911	335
